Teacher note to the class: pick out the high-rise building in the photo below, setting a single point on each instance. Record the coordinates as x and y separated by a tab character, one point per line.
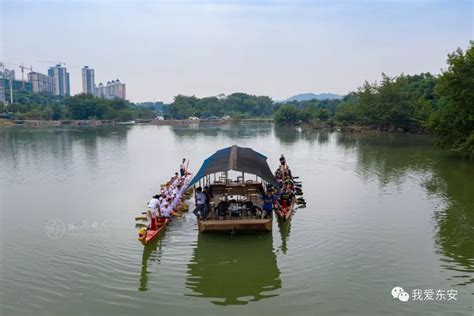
99	91
88	82
113	89
2	89
41	82
61	79
7	76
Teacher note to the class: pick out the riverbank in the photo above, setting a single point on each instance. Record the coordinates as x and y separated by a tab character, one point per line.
359	128
50	123
353	128
205	121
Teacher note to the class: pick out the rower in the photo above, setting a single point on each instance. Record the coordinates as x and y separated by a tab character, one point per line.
174	178
153	211
283	172
167	210
182	168
287	196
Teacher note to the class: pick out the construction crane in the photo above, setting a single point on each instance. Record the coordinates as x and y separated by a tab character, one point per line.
22	67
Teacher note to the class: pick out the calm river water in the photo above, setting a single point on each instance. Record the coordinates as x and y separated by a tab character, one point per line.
383	211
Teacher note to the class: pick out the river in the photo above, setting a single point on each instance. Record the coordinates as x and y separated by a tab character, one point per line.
383	210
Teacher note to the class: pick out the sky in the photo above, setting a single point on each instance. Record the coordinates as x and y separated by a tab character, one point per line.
277	48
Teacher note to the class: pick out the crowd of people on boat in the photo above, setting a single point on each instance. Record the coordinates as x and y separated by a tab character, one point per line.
169	199
272	197
285	195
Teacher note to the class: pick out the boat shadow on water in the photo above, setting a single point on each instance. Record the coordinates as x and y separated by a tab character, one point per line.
234	271
284	228
152	253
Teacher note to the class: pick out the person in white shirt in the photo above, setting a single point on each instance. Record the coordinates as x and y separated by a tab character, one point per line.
153	210
168	209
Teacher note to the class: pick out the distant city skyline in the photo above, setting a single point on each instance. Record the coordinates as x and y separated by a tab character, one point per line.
204	48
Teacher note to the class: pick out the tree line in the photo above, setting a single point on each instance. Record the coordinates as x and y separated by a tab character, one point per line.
442	104
236	105
41	106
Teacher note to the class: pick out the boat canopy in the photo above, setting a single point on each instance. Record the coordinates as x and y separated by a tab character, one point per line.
238	159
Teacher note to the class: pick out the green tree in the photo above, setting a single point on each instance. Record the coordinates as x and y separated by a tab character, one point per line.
348	110
454	121
286	114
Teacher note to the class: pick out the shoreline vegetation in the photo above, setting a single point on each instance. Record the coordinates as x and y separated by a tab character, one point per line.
442	105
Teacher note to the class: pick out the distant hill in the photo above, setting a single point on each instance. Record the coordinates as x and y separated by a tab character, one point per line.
311	96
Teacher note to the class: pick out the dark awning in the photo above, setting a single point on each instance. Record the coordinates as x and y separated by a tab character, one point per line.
238	159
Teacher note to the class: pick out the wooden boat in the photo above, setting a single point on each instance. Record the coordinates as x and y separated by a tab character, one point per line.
284	211
235	205
147	236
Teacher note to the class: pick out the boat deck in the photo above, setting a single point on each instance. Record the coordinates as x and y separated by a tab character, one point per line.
236	224
247	192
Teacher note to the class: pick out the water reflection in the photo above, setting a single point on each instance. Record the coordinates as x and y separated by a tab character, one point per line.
287	134
284	228
311	135
233	131
391	158
455	236
33	145
233	271
151	255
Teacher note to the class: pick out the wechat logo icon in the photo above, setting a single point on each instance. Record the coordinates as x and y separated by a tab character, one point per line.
398	292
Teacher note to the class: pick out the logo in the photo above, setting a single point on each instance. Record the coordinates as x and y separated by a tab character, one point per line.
425	295
398	292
